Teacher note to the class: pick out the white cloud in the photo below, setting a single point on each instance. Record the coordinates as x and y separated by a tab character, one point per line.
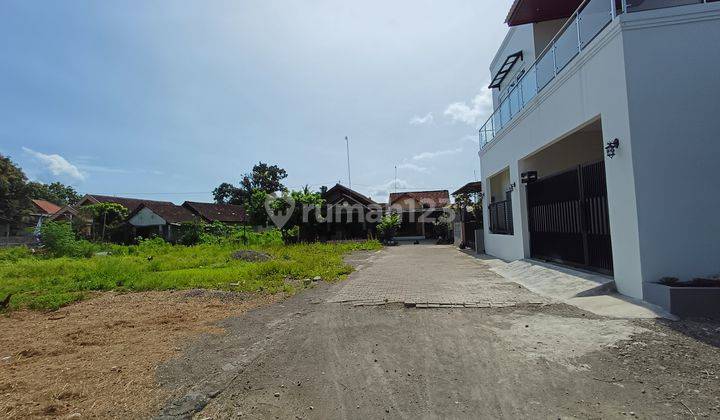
413	167
473	113
470	139
381	193
56	164
433	155
427	119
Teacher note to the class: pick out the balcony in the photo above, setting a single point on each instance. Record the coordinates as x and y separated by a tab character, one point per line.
581	28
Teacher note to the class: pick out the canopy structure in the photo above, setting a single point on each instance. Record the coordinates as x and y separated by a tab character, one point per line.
533	11
470	188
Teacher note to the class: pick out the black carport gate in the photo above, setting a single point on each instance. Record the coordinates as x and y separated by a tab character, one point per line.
568	218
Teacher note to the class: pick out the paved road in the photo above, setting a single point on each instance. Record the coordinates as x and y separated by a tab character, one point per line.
430	275
333	352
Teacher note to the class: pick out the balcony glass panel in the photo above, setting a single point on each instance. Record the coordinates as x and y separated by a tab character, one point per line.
505	113
496	120
640	5
593	18
566	46
545	69
516	100
528	84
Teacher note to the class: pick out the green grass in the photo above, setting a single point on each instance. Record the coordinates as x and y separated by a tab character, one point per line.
42	283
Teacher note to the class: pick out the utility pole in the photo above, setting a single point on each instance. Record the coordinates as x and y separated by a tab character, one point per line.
347	145
395	179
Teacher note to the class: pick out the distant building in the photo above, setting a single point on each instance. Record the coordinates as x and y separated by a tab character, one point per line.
350	215
231	214
418	210
157	219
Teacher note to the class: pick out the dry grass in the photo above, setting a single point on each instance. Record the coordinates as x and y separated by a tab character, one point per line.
98	357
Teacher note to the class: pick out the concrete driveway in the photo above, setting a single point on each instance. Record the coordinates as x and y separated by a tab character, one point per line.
348	351
430	276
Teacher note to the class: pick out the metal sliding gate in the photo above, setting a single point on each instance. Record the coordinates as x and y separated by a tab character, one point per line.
568	218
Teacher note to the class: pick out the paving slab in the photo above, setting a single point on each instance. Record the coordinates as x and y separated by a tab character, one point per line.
431	275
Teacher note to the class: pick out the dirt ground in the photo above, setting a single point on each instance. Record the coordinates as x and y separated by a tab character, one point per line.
309	358
212	355
98	358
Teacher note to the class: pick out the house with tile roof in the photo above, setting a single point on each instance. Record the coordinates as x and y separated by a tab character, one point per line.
213	212
419	210
351	214
158	219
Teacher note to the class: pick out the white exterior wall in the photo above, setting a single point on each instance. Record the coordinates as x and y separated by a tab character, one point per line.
673	76
592	85
146	217
668	98
519	38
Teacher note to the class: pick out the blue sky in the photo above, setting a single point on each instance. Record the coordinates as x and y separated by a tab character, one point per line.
167	99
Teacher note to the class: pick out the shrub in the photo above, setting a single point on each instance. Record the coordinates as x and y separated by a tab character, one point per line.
58	240
190	233
389	226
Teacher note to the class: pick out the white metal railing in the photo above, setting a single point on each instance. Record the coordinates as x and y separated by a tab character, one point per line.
580	29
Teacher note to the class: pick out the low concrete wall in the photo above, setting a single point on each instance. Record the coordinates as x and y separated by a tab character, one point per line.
479	241
685	301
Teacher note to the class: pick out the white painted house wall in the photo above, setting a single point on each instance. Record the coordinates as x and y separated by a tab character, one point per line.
663	82
146	217
673	76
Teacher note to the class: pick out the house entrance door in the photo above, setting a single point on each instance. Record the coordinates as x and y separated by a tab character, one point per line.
568	218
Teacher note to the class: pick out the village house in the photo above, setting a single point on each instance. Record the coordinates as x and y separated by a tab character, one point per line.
230	214
418	211
351	215
602	150
157	219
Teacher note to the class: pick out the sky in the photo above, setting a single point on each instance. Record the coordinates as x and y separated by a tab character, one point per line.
168	99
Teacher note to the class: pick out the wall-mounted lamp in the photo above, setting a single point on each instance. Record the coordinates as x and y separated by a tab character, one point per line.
528	177
512	187
611	147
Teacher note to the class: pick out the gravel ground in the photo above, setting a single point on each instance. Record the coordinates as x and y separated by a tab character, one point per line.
308	357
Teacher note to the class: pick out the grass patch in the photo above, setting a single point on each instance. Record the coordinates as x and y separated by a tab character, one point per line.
42	283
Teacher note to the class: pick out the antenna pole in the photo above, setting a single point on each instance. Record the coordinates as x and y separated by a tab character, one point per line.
395	179
347	145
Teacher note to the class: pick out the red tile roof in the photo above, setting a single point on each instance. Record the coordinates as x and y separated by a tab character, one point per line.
436	199
46	207
211	212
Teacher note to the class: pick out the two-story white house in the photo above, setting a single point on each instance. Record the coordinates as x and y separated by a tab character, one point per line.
603	151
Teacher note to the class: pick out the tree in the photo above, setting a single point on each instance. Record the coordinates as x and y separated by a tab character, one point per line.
302	223
263	177
14	200
255	208
108	215
227	193
56	192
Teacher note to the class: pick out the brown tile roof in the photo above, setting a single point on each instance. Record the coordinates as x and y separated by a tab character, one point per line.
341	190
129	203
171	213
470	188
211	212
438	198
46	207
